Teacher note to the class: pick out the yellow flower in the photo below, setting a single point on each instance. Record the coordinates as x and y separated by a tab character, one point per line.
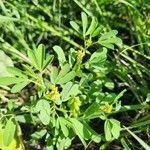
107	108
54	93
80	55
88	42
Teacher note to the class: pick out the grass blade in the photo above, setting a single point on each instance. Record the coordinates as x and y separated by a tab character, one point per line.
138	139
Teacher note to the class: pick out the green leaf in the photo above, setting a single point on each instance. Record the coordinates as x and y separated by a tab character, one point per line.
148	98
120	95
109	84
32	57
17	72
109	42
84	131
54	74
40	55
10	80
5	61
116	128
43	105
9	131
79	130
65	69
97	31
72	57
65	143
117	41
44	117
68	77
93	135
84	22
65	91
109	39
29	71
74	90
112	129
91	110
106	44
63	124
98	58
19	86
92	27
10	105
47	61
38	134
25	118
107	130
75	26
69	90
60	54
109	35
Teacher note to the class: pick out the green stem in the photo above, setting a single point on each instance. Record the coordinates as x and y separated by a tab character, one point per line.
62	110
101	14
10	48
53	31
130	48
131	107
82	7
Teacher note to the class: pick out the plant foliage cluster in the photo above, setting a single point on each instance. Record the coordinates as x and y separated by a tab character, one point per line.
74	74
